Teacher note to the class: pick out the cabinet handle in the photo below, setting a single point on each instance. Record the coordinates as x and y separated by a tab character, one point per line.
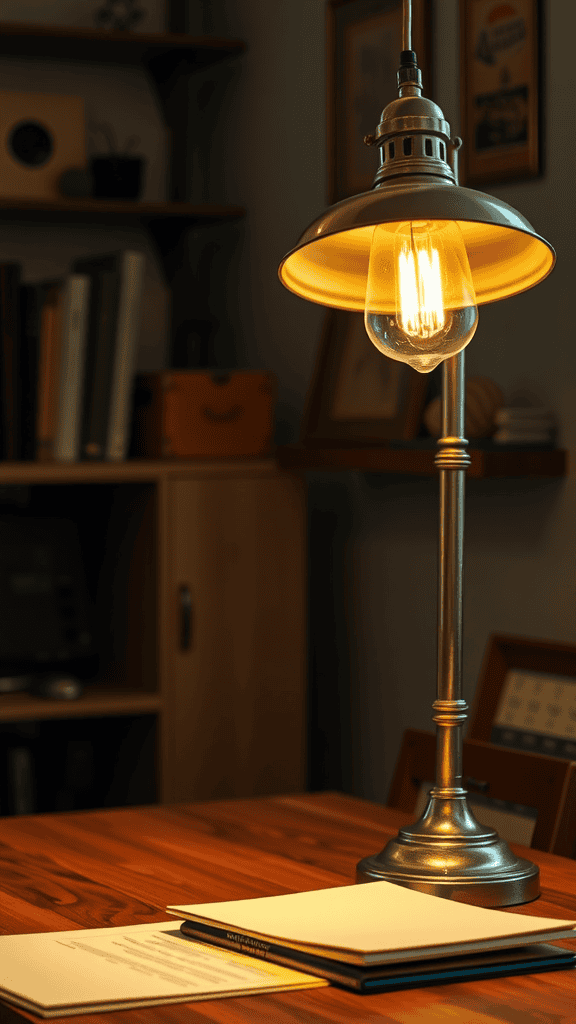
185	598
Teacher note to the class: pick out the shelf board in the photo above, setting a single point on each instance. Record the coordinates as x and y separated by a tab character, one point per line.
15	474
420	461
157	50
95	702
166	222
112	209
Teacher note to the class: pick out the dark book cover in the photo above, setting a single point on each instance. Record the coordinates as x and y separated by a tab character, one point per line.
49	365
104	274
9	370
31	299
529	959
114	319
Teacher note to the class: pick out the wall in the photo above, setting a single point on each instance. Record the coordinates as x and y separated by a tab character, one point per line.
520	557
272	138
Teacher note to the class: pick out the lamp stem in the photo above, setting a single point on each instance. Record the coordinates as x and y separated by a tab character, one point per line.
407	25
447	852
452	460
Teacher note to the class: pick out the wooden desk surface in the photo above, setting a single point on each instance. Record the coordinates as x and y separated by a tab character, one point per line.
96	868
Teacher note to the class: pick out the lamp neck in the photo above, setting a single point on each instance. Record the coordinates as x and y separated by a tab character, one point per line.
413	135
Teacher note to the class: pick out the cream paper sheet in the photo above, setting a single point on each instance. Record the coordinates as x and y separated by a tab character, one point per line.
59	973
377	922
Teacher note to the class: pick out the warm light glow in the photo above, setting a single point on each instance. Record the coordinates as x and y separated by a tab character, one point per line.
421	311
433	314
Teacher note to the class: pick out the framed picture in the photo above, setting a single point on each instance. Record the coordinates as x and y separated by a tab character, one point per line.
501	90
526	696
364	42
357	394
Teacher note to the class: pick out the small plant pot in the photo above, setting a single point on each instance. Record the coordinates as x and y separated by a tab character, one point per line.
117	177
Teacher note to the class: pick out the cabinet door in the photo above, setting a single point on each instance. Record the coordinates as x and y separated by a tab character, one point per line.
235	668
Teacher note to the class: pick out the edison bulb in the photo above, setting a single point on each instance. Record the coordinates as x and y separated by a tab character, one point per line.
420	300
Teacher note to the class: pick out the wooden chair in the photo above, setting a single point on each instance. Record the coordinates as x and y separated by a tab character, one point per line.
503	786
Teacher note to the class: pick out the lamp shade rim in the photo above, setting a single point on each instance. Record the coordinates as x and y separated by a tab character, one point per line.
404	202
329	264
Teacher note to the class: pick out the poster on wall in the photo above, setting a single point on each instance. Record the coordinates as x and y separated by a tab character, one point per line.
112	15
363	45
501	86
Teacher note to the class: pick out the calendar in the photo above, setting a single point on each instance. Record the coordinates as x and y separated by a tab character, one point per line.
537	712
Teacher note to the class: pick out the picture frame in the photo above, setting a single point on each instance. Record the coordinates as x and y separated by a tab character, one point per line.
364	42
501	86
526	696
357	395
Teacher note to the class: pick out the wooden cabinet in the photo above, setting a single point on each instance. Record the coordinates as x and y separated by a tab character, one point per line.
234	627
197	572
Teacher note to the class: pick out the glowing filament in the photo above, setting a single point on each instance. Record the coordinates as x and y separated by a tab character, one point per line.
421	312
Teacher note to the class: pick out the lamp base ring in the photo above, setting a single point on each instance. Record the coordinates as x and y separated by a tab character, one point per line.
508	881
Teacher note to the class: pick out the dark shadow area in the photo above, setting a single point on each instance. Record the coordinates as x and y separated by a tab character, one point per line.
77	764
330	714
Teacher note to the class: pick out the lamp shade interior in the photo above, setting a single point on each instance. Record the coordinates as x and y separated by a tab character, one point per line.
330	263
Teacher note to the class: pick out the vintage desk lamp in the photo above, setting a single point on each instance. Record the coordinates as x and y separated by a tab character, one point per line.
418	253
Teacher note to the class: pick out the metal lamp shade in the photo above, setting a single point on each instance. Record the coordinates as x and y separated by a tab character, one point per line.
330	263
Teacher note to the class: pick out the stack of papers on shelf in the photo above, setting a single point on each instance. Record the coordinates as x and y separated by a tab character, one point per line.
525	425
379	935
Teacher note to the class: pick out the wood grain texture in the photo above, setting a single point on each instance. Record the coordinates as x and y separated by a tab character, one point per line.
236	694
98	868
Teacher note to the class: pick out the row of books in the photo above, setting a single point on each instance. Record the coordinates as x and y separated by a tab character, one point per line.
67	355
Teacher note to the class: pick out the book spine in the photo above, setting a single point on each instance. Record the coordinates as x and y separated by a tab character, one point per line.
340	974
129	310
48	372
71	382
99	361
31	297
9	331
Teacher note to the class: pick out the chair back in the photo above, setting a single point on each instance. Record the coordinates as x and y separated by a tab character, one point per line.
528	798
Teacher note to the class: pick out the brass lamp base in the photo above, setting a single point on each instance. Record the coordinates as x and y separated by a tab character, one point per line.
448	853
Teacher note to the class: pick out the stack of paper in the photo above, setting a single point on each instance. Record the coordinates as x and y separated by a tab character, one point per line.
62	973
354	934
524	425
365	937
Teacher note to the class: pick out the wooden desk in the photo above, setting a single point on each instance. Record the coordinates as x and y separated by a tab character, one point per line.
97	868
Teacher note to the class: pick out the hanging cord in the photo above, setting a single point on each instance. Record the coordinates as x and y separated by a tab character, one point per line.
407	25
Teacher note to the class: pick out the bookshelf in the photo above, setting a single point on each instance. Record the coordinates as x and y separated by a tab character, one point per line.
166	223
224	713
168	59
216	709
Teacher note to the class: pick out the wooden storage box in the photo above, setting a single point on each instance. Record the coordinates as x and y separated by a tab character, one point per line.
194	413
